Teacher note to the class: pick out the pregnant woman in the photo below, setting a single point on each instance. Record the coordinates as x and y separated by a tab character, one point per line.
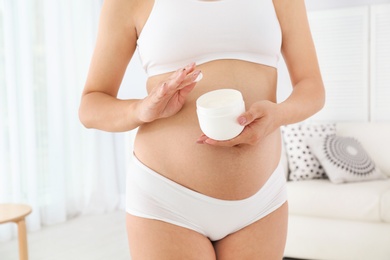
190	196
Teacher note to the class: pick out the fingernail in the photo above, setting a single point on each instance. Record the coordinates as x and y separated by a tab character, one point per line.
242	120
180	73
201	139
198	77
189	65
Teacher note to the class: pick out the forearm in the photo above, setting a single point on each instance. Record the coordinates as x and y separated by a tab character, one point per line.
306	99
104	112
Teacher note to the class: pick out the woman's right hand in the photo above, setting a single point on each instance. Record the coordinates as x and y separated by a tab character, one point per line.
168	97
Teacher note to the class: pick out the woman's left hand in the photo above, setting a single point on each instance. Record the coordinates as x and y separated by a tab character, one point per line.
260	120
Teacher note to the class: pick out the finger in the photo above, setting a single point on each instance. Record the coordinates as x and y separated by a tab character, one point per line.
187	69
195	77
247	136
177	81
201	139
171	86
248	117
159	95
190	67
186	90
240	139
198	76
180	84
228	143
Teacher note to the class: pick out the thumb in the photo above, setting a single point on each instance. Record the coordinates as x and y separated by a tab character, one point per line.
246	118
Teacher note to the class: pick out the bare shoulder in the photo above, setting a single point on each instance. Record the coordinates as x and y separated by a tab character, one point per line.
291	13
115	45
119	12
128	13
297	39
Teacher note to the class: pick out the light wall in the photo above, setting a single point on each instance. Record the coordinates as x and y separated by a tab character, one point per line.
328	4
352	46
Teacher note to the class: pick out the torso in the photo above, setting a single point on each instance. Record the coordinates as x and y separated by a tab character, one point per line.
168	146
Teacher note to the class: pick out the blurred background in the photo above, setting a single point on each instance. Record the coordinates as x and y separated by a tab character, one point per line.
51	162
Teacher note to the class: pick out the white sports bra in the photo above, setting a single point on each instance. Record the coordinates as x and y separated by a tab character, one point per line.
178	32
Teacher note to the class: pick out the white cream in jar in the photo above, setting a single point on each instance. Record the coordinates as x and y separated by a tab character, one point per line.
218	111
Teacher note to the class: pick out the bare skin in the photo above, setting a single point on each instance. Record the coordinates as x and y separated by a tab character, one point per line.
169	139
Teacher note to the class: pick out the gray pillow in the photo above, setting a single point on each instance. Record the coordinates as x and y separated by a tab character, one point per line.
344	159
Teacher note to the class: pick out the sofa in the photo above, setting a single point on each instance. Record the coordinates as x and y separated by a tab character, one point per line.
340	219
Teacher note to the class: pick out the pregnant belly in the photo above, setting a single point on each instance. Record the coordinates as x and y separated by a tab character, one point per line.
170	149
168	146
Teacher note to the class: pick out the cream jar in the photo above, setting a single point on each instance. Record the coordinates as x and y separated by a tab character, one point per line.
218	111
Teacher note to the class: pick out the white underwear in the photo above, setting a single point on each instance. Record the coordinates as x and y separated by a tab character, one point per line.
151	195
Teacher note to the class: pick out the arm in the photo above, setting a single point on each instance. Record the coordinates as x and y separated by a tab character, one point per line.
308	95
114	49
115	46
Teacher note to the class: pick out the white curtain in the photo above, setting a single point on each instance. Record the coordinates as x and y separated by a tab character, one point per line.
47	158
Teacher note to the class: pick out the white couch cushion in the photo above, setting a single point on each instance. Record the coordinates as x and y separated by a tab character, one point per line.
374	137
385	206
365	201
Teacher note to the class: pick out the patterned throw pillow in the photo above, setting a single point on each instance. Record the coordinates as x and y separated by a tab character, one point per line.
344	159
303	165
